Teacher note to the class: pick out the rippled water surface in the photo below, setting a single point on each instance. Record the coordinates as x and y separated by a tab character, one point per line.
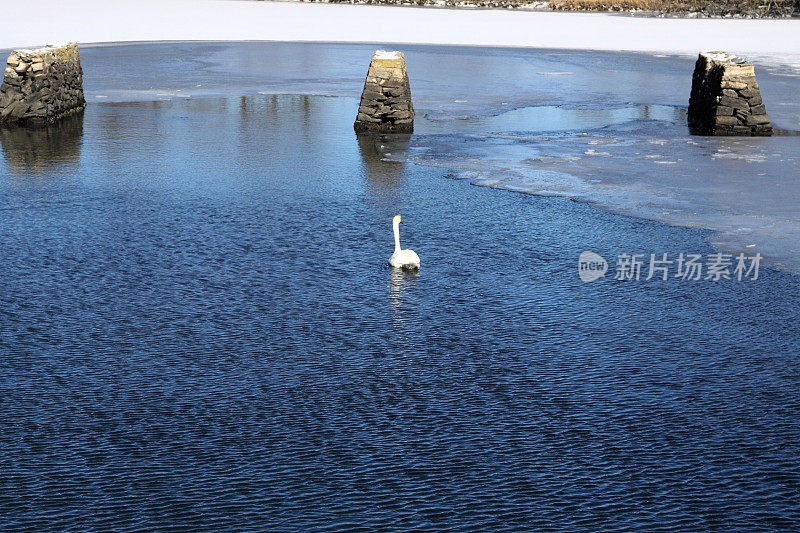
199	331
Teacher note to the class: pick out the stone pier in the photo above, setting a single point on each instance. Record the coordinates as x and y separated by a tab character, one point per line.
41	86
386	100
725	98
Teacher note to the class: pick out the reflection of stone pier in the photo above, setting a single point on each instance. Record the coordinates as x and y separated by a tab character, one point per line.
382	174
725	98
386	100
41	86
37	150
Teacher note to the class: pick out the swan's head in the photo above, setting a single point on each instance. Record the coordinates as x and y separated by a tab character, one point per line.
397	220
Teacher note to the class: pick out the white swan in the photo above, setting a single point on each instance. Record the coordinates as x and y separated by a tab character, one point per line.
402	258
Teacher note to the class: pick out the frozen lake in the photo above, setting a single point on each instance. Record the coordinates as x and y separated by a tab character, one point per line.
199	330
603	127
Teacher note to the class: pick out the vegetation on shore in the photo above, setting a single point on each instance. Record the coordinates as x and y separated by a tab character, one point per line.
693	8
709	8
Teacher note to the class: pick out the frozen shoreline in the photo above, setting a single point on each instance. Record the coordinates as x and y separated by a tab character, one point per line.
609	129
92	21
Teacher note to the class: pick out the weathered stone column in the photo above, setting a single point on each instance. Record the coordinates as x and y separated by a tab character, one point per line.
725	98
386	101
41	86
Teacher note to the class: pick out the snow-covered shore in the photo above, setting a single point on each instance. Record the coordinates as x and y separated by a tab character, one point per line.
93	21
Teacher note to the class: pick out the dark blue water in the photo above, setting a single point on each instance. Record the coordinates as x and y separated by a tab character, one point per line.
199	331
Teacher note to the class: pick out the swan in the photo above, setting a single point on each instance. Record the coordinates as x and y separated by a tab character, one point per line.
402	258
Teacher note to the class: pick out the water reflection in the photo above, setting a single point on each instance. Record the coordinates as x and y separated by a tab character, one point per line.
35	151
382	175
548	118
400	282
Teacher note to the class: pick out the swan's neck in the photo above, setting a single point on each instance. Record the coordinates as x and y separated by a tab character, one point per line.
396	228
